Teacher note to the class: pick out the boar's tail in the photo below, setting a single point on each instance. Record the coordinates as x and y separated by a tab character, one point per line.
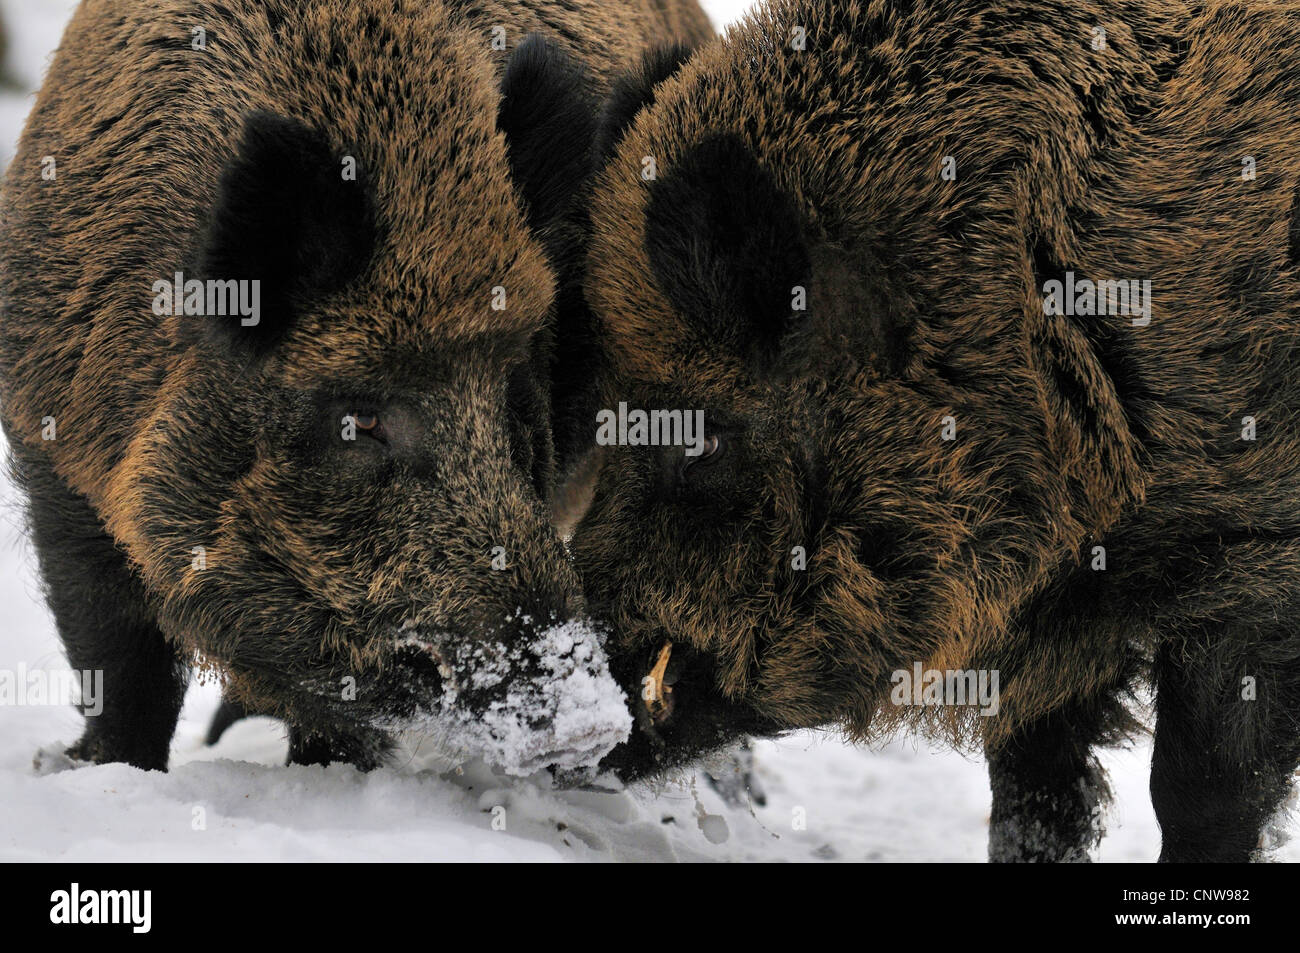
227	714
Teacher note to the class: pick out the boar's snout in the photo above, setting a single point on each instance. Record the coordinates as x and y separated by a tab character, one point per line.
531	695
501	657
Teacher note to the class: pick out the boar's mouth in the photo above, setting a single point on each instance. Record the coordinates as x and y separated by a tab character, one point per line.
422	660
680	714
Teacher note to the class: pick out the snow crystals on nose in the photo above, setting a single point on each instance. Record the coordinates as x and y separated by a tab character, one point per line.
560	706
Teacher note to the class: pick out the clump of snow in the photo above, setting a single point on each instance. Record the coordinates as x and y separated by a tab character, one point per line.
714	828
1277	830
732	775
548	701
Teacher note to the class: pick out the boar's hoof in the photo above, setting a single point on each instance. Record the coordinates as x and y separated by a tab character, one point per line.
321	748
103	748
53	759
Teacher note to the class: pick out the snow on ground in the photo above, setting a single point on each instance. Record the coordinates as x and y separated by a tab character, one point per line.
239	802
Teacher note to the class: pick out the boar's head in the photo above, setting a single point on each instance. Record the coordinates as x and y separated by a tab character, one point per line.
338	499
774	244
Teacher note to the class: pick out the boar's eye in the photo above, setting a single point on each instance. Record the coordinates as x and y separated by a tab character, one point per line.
714	446
367	425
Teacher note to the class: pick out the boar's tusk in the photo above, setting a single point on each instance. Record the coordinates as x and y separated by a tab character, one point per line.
657	703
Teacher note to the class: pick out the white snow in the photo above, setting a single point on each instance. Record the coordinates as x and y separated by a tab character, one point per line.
826	801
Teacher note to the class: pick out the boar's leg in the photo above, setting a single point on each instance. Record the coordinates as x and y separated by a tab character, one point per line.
102	615
1048	789
1227	738
227	713
365	752
310	746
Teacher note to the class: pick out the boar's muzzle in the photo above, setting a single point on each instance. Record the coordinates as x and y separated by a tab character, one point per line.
525	697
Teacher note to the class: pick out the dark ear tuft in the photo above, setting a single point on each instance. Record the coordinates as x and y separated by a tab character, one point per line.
285	216
855	317
548	115
635	90
726	245
549	119
732	252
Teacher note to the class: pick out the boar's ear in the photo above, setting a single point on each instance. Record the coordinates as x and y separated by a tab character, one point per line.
291	215
726	245
634	90
731	251
549	120
548	117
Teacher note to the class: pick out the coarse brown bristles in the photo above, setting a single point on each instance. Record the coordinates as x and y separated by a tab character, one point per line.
847	232
279	493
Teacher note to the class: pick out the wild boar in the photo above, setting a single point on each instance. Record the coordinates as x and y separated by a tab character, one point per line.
278	294
990	308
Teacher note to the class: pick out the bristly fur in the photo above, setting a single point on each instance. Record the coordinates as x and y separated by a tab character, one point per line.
634	90
925	301
578	367
284	216
200	505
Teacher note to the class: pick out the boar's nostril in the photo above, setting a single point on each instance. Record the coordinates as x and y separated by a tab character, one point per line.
422	657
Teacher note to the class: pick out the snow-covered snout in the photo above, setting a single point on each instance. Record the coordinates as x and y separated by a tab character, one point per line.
525	698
